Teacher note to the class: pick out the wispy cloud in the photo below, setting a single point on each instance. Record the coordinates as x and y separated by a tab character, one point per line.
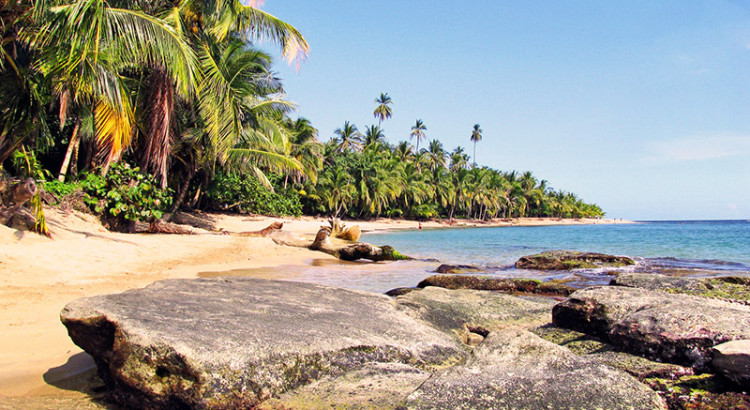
699	148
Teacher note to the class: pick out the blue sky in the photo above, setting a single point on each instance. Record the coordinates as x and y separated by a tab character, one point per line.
642	107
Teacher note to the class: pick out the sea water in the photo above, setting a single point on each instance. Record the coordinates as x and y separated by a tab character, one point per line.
712	245
686	248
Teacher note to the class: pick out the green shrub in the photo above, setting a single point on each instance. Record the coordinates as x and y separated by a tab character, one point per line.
126	194
121	197
246	194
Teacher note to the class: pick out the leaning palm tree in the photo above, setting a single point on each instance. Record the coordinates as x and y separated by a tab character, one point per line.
476	136
417	132
383	110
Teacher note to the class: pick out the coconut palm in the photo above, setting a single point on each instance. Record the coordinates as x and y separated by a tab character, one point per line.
476	136
383	109
336	190
404	151
417	131
374	137
305	148
458	159
436	155
348	137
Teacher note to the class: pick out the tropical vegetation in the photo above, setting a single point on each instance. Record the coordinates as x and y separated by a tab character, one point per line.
142	108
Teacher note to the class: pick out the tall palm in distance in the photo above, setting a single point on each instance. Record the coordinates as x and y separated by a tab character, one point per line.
476	136
383	109
417	132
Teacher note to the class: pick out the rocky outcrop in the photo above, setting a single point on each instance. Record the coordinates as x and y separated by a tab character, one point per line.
551	288
374	386
515	369
445	268
730	288
235	342
470	314
732	359
566	260
668	327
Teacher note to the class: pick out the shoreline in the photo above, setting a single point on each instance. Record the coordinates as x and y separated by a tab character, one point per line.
41	275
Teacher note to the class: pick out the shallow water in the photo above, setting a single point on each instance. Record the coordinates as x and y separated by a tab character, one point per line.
687	248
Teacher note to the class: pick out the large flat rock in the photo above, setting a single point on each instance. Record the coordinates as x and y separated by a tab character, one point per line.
675	328
471	314
234	342
514	369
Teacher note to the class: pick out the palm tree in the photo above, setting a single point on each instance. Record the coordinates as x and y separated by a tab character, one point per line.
476	136
374	137
404	151
458	159
336	190
305	148
417	131
435	155
383	109
349	137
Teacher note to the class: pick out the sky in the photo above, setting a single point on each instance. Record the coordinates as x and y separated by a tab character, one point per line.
642	107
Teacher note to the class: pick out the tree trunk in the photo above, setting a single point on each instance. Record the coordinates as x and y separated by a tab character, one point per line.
69	153
184	187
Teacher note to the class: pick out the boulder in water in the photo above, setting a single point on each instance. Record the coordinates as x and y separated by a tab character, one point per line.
551	288
444	268
566	260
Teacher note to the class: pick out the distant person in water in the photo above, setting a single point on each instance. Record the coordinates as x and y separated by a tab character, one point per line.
419	225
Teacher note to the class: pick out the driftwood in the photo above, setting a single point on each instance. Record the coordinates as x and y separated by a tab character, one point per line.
194	220
339	230
356	251
13	197
276	226
160	226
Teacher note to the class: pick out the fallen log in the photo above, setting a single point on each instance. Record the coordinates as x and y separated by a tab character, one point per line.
276	226
160	226
194	220
355	251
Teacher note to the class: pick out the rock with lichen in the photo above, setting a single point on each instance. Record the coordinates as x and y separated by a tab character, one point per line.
729	288
567	260
470	314
514	369
531	286
457	269
674	328
235	342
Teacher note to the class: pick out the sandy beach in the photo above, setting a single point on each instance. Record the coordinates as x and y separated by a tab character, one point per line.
40	365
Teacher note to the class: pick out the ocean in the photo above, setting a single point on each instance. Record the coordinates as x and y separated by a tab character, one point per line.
685	248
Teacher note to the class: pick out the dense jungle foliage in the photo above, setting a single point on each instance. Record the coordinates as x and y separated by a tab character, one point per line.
141	108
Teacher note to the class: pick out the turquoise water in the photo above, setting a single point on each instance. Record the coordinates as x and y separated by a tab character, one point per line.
714	245
688	248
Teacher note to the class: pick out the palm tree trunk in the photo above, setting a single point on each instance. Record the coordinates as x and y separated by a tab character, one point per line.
72	146
475	154
184	187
